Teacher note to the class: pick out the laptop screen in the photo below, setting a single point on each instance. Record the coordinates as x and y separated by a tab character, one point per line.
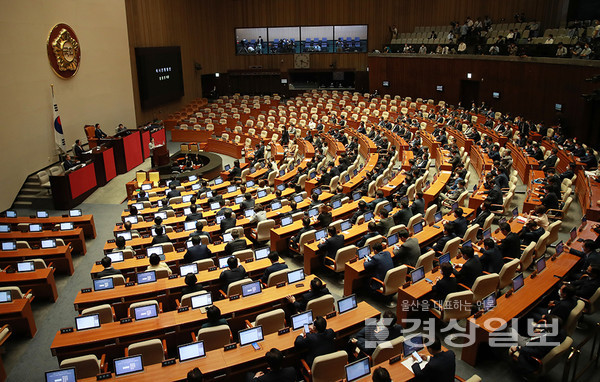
125	235
444	258
262	253
251	289
313	212
201	300
418	227
227	237
91	321
218	181
189	226
131	219
42	214
189	244
298	198
573	233
281	172
357	369
560	247
487	233
437	217
5	296
301	319
195	186
250	183
128	365
239	199
515	212
413	344
9	245
75	213
186	198
368	216
346	304
249	213
320	234
139	206
62	375
103	284
209	194
188	268
347	178
286	221
336	204
223	261
418	274
11	214
345	225
35	227
146	277
295	276
227	167
154	250
356	196
540	264
489	302
388	207
161	214
275	206
67	226
392	240
4	228
219	218
467	243
364	251
261	194
214	206
231	189
48	243
252	335
145	312
25	266
518	282
191	351
317	191
192	178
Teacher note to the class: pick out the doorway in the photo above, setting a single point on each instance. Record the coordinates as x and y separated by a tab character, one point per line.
469	93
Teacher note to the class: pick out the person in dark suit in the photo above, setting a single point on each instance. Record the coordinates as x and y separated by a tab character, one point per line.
380	374
460	223
78	149
248	202
405	213
259	152
173	191
407	251
197	251
530	233
194	214
274	267
550	200
228	222
589	256
237	244
470	270
275	372
379	264
98	133
362	209
374	333
324	218
142	196
446	285
372	232
378	199
491	257
441	366
200	231
236	170
483	214
108	269
588	283
160	236
448	235
418	205
294	240
235	272
510	246
191	284
317	289
331	245
69	163
550	161
319	341
560	307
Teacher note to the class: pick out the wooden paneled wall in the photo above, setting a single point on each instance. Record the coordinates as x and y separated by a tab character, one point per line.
205	28
526	88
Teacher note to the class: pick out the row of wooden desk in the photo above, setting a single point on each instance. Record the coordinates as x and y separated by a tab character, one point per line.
85	222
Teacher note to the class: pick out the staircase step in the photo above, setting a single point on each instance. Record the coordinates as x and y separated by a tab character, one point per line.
22	203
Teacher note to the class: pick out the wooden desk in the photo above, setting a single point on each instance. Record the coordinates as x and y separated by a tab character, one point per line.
73	237
235	363
517	304
41	282
533	198
434	190
86	222
19	316
60	256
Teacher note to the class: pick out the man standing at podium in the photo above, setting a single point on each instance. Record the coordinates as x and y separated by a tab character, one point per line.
151	147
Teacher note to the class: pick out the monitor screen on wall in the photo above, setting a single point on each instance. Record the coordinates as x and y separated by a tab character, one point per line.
160	77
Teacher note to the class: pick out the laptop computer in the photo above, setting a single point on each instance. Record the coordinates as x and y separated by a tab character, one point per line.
201	301
139	206
275	206
190	225
417	275
418	227
125	235
231	189
219	218
300	319
146	277
35	227
262	253
313	212
218	181
9	245
48	243
227	237
75	213
188	268
489	302
368	216
347	303
518	282
444	258
249	213
261	194
186	198
195	186
251	289
145	312
357	369
128	365
191	351
295	276
336	204
66	226
41	214
345	225
298	198
286	221
61	375
90	321
437	217
11	214
155	250
131	219
25	266
251	335
223	261
5	296
103	284
392	240
4	228
250	183
320	234
364	252
356	196
540	265
412	344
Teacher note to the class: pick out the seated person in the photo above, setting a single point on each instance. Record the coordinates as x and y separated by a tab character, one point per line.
157	222
560	307
235	272
235	171
194	375
418	205
173	192
121	243
197	251
362	209
156	264
589	282
194	214
259	215
200	231
325	218
405	213
237	244
319	341
275	372
248	202
142	196
374	333
380	374
378	265
470	270
294	240
491	257
530	233
191	284
228	222
213	316
441	365
446	285
460	222
385	222
483	214
510	246
160	236
317	289
448	235
330	246
274	267
108	269
407	251
540	217
372	232
69	163
589	256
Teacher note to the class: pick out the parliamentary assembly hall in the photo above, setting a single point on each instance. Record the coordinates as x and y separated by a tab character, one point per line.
300	190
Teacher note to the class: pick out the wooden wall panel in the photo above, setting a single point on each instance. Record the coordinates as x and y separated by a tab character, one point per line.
205	28
530	89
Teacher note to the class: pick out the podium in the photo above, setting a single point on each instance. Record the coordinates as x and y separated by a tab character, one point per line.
160	156
73	187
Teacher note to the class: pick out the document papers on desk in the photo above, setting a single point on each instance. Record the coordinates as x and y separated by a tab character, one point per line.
410	361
